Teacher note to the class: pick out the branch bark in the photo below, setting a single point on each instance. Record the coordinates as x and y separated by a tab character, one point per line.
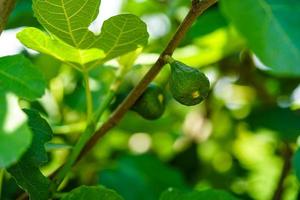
6	6
198	7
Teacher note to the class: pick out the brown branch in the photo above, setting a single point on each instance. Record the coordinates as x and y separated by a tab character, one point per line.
6	6
198	7
287	154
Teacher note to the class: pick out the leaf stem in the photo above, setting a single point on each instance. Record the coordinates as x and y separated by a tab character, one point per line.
88	95
69	128
95	64
73	65
169	59
74	154
89	131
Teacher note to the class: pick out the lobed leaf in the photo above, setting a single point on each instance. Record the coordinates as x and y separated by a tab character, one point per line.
26	172
121	34
69	21
17	75
37	40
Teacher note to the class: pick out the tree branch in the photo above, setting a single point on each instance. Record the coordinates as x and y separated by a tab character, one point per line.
6	6
198	7
287	154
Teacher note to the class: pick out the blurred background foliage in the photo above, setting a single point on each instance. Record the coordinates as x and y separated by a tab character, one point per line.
235	140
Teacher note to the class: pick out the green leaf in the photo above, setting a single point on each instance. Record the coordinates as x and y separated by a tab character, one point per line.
13	145
68	20
26	172
18	75
92	193
272	29
22	15
142	8
210	48
296	163
35	39
15	141
121	34
42	134
3	108
213	17
174	194
50	66
146	174
271	118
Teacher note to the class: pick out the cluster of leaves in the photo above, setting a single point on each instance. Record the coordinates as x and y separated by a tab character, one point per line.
230	159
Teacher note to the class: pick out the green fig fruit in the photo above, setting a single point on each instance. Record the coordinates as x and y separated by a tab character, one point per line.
151	105
188	85
122	93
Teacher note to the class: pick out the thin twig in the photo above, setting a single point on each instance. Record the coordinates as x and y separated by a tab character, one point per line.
198	7
61	174
6	6
287	154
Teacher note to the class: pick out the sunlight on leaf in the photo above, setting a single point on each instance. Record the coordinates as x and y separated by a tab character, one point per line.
37	40
26	172
119	34
210	48
68	20
19	139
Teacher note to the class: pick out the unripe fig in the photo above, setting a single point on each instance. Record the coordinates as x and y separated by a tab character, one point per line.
189	86
151	105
